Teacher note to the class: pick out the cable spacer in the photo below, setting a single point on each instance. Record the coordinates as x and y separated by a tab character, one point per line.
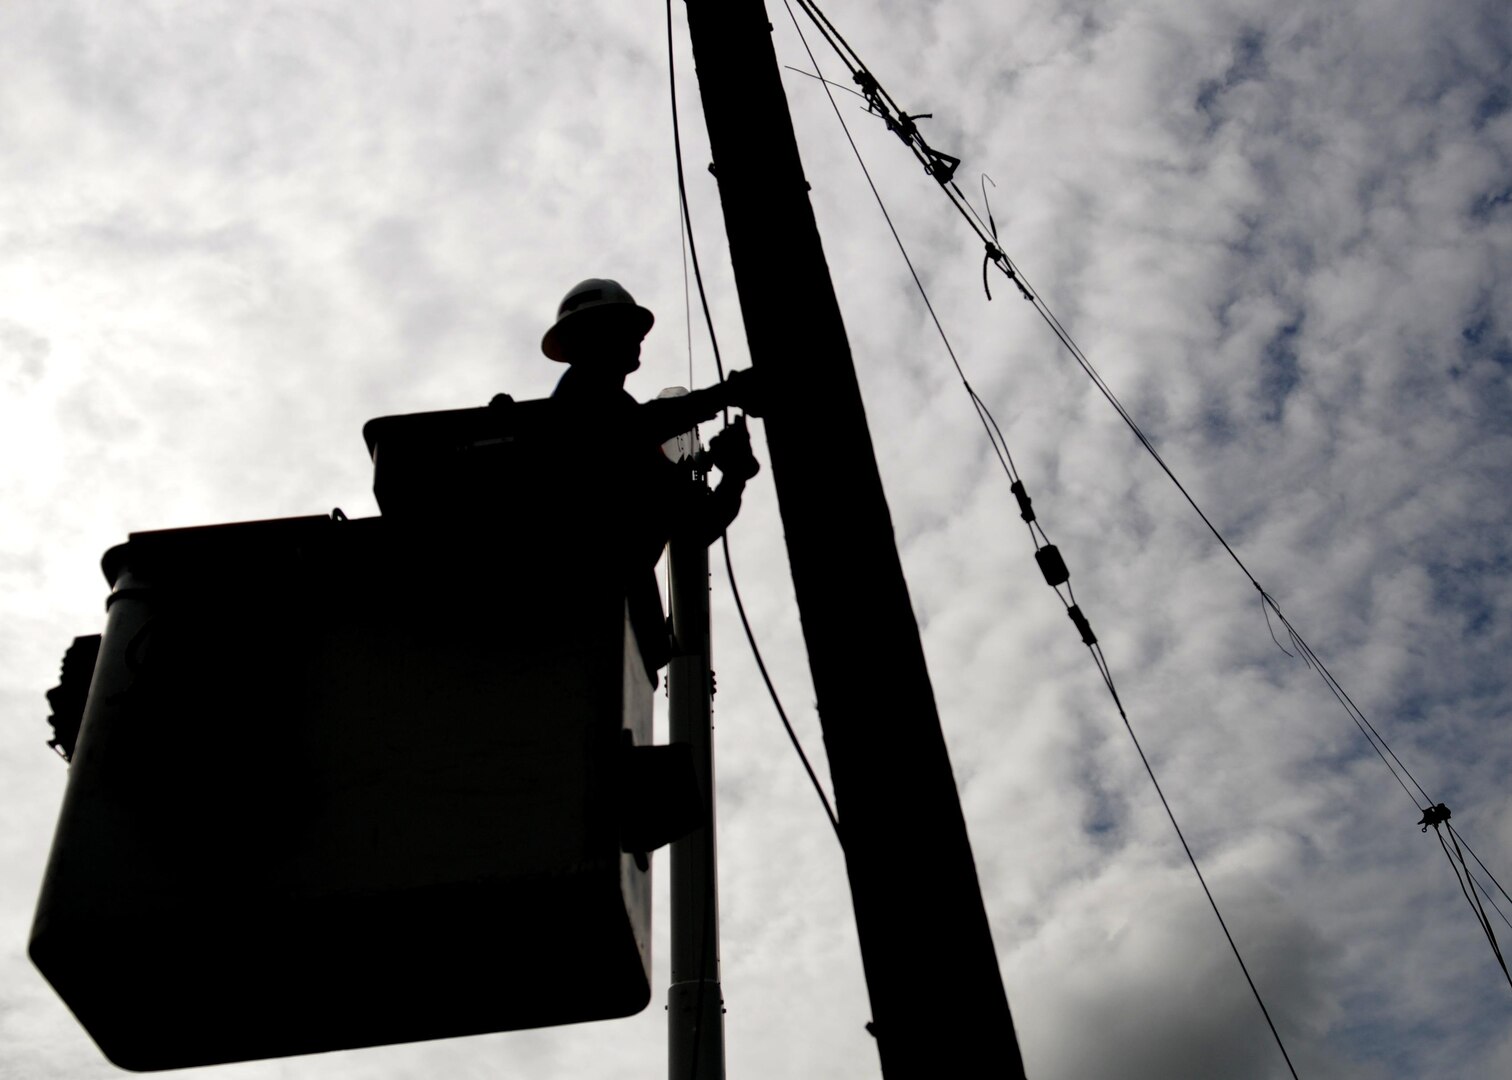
1087	636
1052	565
1026	504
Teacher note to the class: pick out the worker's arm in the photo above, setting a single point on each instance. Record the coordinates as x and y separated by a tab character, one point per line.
667	417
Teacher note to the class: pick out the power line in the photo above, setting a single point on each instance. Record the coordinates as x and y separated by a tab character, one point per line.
1057	576
682	192
942	168
1467	887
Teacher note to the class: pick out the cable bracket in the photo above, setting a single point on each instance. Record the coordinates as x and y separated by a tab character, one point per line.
996	257
1083	627
1026	504
1434	816
937	163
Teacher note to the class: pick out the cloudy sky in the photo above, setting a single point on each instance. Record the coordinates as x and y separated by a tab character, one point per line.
230	233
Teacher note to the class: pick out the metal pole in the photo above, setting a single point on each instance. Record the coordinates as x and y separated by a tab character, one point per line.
695	1007
937	999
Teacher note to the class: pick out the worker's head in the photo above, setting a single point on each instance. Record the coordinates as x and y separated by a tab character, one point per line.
598	323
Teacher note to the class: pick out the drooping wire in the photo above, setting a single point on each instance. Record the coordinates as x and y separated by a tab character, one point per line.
901	123
811	75
1108	678
682	197
776	701
707	928
1461	840
1467	887
1000	446
745	622
1480	910
682	233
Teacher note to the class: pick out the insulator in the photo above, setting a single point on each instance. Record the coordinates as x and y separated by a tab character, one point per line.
1088	637
1026	504
1052	565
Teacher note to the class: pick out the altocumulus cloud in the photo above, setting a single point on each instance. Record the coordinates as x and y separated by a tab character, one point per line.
235	232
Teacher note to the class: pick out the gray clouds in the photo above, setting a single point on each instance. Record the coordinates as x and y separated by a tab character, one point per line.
233	233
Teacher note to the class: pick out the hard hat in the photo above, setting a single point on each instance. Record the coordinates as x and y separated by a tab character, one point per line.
596	299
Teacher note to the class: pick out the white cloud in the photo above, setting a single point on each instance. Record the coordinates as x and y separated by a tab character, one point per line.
232	233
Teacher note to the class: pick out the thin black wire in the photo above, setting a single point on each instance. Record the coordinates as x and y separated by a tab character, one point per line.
1473	900
682	233
1490	899
837	86
1354	711
687	238
1102	665
1489	874
745	622
1480	909
989	424
1096	650
1005	264
772	690
682	195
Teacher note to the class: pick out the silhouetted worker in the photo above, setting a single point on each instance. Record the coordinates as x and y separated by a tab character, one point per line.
598	334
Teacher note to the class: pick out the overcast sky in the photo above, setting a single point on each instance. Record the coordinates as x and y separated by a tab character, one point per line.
230	233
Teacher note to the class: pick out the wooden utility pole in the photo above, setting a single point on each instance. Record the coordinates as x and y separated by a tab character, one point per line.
695	1005
938	1007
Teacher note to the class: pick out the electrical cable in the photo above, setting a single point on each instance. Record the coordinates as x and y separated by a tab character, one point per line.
776	701
1103	666
745	622
682	195
725	541
1473	900
706	928
1480	910
682	233
886	107
1460	839
1000	447
995	436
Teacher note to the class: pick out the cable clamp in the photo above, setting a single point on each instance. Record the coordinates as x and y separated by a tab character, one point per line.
937	164
996	257
993	253
1026	504
941	165
1434	816
1082	625
904	125
872	91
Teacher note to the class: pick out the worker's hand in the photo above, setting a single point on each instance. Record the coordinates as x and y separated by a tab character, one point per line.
746	390
730	450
